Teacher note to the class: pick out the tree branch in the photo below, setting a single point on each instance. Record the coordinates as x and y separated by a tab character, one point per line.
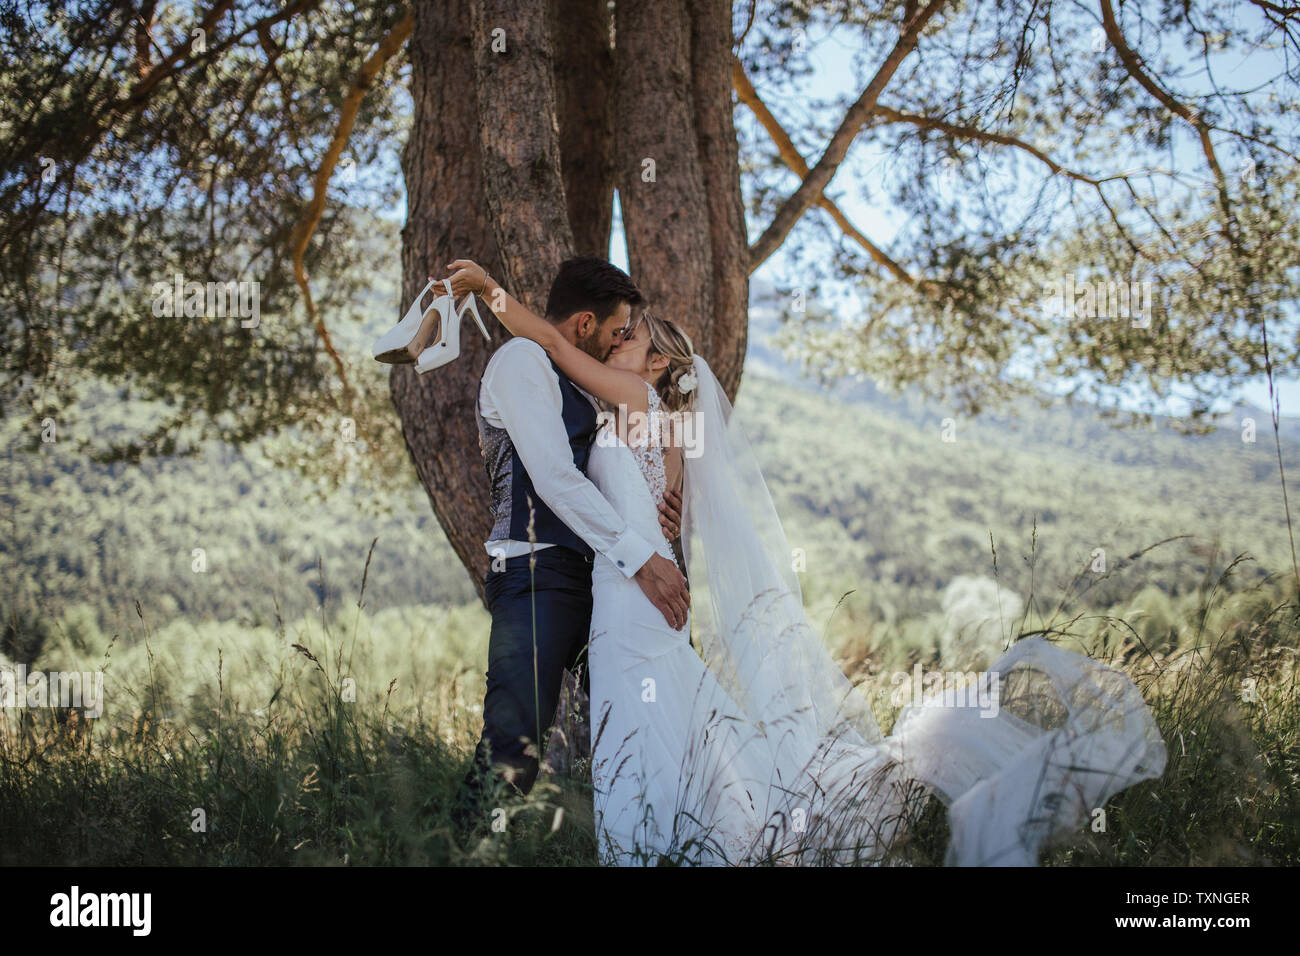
790	155
1133	64
892	115
303	231
814	184
170	64
144	37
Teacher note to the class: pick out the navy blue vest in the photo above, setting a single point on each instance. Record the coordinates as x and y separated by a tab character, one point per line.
511	487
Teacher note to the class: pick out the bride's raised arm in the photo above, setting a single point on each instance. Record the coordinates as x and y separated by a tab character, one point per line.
615	386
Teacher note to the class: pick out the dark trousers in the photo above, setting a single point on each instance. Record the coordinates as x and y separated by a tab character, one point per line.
540	625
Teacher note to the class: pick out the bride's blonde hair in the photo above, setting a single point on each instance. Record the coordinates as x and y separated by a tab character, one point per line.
668	339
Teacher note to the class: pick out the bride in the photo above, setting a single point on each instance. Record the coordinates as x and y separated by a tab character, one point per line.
758	749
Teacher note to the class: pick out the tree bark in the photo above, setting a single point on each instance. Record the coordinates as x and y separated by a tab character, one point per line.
678	175
447	218
660	182
712	88
581	35
520	140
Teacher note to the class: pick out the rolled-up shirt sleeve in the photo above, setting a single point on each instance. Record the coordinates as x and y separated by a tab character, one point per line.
524	389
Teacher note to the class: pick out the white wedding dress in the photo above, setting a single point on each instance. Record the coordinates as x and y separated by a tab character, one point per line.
767	753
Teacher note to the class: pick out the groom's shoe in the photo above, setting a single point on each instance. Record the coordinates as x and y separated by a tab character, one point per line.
477	801
468	820
467	811
480	792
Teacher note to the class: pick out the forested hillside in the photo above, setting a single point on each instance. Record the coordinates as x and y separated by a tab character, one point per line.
867	487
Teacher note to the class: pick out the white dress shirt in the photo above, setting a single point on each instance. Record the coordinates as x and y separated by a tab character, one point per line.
520	392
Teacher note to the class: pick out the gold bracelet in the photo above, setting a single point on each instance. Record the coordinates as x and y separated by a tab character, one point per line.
484	289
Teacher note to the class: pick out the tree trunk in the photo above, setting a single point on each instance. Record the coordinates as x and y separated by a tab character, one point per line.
678	175
715	131
584	102
447	217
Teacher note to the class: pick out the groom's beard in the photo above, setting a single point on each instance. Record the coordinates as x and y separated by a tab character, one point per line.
591	345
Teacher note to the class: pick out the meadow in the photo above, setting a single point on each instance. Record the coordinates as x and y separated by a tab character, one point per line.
312	695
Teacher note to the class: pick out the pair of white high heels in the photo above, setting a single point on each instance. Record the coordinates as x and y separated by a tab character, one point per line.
406	343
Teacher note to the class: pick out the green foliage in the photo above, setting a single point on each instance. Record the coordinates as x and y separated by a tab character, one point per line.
1223	689
104	536
1014	148
133	150
177	575
1022	144
328	741
880	504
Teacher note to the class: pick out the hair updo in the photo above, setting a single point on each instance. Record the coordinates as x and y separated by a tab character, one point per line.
668	339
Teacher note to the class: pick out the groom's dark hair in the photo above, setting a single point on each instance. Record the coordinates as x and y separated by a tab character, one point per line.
589	283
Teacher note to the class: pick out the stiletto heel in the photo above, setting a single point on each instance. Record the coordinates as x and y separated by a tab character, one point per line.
472	307
404	343
448	349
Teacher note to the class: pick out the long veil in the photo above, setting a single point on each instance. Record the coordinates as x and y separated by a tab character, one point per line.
1068	731
753	631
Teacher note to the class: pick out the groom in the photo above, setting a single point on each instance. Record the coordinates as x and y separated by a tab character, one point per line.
535	432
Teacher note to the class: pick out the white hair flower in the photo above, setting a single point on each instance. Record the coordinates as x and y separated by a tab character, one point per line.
686	384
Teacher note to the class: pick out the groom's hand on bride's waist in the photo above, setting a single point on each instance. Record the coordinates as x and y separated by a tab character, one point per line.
670	514
664	585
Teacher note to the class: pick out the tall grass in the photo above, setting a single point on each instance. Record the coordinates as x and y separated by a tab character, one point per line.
342	739
339	740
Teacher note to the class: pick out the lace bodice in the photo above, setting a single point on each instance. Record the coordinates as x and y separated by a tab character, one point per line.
632	474
649	450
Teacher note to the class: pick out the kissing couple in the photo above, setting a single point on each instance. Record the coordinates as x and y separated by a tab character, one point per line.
755	749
